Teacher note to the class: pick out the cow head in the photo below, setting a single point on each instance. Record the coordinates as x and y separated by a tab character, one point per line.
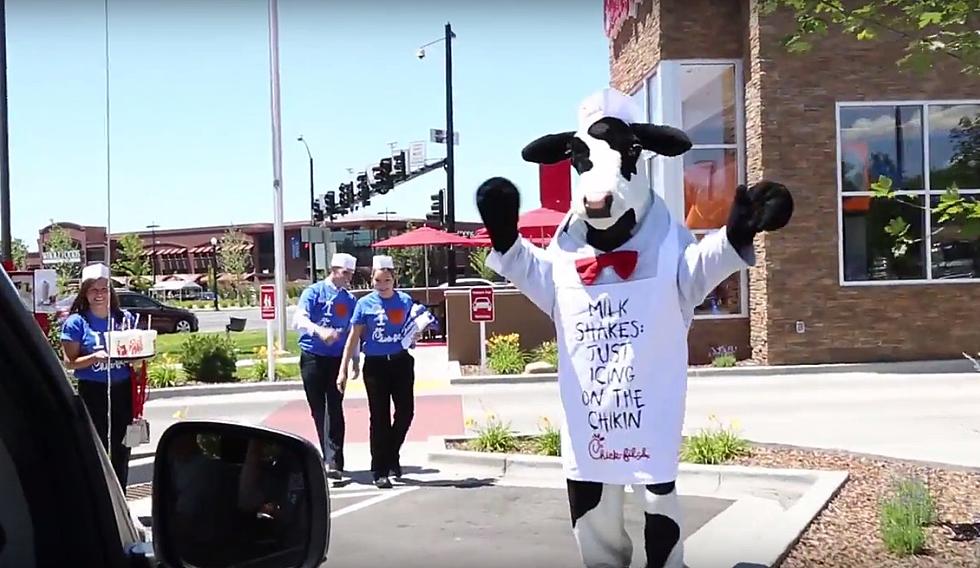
612	187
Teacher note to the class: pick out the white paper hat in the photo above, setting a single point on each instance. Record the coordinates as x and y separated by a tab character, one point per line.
95	271
343	260
382	261
607	102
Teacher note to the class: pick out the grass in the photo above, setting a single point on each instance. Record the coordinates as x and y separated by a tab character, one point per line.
247	342
903	516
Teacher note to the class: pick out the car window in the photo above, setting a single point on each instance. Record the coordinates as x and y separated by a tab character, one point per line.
16	532
134	301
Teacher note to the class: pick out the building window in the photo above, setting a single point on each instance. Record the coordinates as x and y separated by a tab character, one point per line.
886	139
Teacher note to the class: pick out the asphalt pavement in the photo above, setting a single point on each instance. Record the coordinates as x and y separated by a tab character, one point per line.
210	320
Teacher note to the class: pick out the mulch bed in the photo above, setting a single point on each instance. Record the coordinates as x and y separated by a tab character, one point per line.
846	533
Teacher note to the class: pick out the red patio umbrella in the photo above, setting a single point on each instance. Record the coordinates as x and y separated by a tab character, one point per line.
537	223
422	237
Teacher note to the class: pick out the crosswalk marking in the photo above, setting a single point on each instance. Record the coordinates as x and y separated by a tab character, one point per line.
382	496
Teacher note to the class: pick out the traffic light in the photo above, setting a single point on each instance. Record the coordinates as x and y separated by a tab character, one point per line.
349	190
344	202
382	176
437	209
317	211
398	171
365	194
330	203
362	183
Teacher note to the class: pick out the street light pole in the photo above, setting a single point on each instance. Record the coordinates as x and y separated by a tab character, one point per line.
312	215
279	236
450	166
6	240
153	247
214	270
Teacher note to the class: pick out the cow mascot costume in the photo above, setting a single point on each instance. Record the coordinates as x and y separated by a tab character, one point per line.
621	279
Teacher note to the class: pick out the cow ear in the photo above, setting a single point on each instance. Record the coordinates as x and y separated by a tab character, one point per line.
664	140
549	149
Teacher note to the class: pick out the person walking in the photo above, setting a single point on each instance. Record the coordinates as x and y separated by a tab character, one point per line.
377	326
323	318
83	340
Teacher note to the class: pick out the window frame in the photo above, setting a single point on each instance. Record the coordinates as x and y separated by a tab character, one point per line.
663	83
926	192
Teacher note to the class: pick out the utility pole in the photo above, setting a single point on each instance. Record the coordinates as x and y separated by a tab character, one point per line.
6	241
279	236
312	214
450	166
153	247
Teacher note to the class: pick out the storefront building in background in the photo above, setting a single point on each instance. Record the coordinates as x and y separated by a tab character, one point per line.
828	287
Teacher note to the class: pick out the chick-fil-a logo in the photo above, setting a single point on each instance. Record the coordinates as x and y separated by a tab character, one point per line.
598	451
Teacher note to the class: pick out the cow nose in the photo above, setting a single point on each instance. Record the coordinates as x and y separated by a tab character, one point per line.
597	208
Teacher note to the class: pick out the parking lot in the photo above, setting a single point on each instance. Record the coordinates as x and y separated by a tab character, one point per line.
474	524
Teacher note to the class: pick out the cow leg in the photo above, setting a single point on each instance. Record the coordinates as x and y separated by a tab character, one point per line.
662	529
598	525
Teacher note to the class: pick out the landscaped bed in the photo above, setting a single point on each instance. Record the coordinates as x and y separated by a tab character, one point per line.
889	513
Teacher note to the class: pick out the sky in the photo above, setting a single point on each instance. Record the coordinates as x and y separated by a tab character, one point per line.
190	127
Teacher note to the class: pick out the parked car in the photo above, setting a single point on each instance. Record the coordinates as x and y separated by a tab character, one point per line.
223	494
163	318
470	283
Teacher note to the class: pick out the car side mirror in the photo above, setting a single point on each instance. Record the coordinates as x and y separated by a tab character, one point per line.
233	495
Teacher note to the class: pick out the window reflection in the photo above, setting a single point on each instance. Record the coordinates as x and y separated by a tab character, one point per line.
955	250
881	141
710	178
725	299
868	253
954	146
708	103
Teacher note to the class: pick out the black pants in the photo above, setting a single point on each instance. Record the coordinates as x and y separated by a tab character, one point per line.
326	403
389	381
93	394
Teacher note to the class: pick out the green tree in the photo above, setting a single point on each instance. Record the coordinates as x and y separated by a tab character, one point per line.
59	241
410	264
18	253
234	258
133	262
478	262
929	28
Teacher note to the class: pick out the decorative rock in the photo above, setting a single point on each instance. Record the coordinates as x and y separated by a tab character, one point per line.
539	367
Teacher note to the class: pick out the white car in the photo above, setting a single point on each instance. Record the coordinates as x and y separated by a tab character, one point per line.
471	283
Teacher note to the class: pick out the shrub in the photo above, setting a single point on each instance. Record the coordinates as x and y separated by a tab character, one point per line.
494	437
714	446
726	360
504	354
162	373
903	515
208	358
547	352
549	442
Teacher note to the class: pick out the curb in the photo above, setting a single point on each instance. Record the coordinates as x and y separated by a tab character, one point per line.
231	388
941	366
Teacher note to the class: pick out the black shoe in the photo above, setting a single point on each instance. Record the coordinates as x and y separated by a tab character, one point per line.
382	483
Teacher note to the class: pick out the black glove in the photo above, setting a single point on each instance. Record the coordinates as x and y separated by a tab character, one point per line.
499	202
767	206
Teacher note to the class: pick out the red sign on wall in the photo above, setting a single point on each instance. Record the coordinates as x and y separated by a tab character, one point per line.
616	12
556	185
481	305
267	301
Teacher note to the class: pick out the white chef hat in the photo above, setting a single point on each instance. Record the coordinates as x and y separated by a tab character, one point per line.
607	102
343	260
382	261
95	271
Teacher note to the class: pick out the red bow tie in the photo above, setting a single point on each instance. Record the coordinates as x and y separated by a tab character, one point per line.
622	261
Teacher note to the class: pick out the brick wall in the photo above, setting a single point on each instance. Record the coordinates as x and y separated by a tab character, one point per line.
796	121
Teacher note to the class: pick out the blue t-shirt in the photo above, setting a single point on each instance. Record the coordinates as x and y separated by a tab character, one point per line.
326	306
89	332
384	320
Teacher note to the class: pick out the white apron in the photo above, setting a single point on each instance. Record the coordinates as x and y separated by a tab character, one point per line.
622	367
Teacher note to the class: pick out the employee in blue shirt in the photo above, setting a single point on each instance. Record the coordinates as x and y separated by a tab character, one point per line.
83	341
323	319
389	370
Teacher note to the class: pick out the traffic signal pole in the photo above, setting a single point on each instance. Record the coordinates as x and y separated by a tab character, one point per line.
313	223
450	166
6	240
